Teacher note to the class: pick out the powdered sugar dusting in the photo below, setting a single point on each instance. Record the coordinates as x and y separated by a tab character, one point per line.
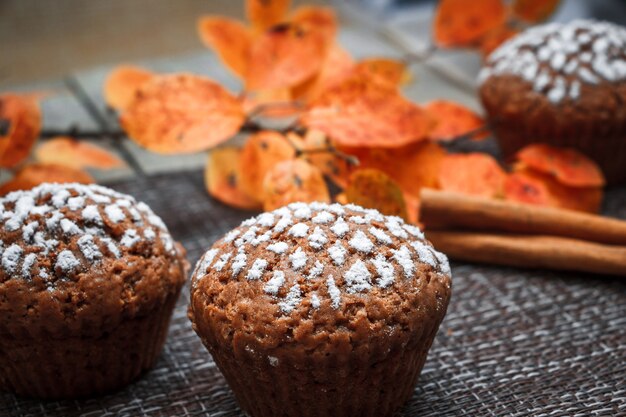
333	292
323	217
291	301
257	269
298	259
278	247
275	283
358	278
318	238
340	228
381	237
299	230
385	271
114	213
338	253
89	248
66	261
403	257
11	258
360	242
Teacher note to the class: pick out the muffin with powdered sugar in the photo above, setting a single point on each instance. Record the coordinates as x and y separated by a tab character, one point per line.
319	310
88	280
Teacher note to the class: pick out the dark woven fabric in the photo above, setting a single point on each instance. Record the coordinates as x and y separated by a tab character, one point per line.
513	343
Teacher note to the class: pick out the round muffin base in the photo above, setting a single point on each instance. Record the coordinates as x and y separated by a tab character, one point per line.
63	368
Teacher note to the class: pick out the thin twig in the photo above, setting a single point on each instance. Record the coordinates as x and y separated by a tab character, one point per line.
262	108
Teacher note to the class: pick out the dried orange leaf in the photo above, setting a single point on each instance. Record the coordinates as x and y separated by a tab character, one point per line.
474	173
182	113
74	154
229	39
341	198
534	11
321	19
222	178
284	56
372	188
462	22
264	14
495	38
32	175
530	187
568	166
392	71
360	112
123	83
452	120
338	64
316	149
260	153
291	181
21	116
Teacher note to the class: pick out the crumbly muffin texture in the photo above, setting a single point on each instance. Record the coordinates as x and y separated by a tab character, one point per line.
78	257
558	59
319	275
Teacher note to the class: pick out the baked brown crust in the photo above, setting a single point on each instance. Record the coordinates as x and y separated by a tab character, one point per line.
316	317
78	265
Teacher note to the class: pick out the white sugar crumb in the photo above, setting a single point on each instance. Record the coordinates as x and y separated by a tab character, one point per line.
27	265
257	269
149	234
316	270
323	217
358	277
373	215
46	244
247	237
337	253
239	262
337	209
130	238
52	222
291	301
251	221
299	230
76	203
340	228
425	253
278	247
122	202
414	231
114	213
384	270
91	214
205	261
318	238
69	227
230	236
358	219
266	220
168	243
11	258
273	285
66	261
89	248
381	237
23	205
60	197
298	259
134	213
354	207
315	301
111	246
333	292
360	242
303	213
283	223
221	262
265	237
403	257
444	265
394	225
28	231
273	360
41	210
156	221
318	205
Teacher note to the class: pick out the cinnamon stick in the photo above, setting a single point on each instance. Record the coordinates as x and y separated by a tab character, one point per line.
446	210
548	252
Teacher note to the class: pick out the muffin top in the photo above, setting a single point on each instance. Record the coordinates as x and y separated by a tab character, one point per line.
560	60
305	270
74	242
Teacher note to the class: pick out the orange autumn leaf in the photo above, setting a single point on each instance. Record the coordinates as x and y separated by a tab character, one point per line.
372	188
495	38
260	153
474	174
284	56
123	83
182	113
32	175
568	166
229	39
315	148
293	180
338	64
71	153
21	116
321	19
452	120
461	22
530	187
264	14
392	71
534	11
361	112
222	178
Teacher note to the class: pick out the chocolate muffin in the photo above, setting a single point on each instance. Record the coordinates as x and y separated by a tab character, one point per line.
88	281
564	85
320	310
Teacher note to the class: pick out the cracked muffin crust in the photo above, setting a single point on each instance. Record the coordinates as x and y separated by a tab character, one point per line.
88	280
318	310
561	84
